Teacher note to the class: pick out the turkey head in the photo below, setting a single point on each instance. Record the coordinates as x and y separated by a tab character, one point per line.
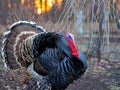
68	46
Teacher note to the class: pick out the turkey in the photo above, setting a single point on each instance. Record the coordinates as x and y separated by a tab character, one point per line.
52	59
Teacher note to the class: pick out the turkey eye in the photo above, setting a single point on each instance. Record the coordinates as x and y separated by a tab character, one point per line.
69	37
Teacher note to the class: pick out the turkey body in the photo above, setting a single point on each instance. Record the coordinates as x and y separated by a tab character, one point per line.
55	64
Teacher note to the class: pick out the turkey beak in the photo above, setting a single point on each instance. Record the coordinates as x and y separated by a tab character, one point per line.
63	45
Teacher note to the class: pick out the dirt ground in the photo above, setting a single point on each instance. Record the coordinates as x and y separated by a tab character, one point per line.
105	76
93	79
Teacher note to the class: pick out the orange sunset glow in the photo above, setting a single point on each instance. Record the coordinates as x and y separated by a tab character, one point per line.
46	5
42	6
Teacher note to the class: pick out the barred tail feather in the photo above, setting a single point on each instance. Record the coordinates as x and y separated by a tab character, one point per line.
16	33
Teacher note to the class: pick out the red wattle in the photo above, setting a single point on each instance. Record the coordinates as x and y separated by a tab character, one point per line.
74	50
70	40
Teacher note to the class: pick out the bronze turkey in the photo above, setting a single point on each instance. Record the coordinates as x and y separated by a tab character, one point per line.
51	58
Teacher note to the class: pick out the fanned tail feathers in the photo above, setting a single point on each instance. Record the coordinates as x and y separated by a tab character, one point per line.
17	33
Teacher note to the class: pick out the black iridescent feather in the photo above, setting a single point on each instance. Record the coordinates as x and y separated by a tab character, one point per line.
44	40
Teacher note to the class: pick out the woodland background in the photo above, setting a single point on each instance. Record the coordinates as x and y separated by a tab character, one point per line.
94	24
